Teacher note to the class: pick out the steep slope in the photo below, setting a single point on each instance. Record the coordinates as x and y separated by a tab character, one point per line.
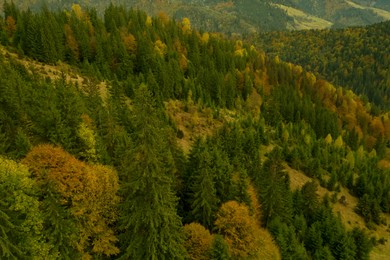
341	13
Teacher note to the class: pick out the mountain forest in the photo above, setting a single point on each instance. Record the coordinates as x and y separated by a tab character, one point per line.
130	136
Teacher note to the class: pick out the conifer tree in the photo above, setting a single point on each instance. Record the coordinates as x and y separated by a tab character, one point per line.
59	226
151	227
275	195
220	249
204	201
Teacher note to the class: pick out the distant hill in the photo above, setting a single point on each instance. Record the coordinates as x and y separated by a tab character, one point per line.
342	13
249	16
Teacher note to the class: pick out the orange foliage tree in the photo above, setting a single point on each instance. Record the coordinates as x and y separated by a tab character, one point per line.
11	26
88	191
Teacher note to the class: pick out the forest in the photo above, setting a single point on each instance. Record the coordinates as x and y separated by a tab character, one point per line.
126	136
356	58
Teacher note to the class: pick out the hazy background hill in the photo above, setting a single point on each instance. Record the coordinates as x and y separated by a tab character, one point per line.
340	13
248	16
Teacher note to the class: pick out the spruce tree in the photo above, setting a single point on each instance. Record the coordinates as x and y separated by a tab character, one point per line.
204	200
151	227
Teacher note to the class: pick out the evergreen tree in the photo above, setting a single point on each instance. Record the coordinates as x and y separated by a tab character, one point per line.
363	244
204	201
151	227
59	227
220	249
275	195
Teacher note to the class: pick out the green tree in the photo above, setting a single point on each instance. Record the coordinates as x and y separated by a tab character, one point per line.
220	249
204	201
59	226
150	225
275	196
363	244
21	230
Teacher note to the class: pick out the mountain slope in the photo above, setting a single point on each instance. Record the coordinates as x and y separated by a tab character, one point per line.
249	16
356	58
104	166
304	21
341	13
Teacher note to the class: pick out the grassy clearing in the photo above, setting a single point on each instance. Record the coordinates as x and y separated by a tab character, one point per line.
304	21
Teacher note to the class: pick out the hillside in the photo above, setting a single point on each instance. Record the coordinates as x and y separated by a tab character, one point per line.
356	58
130	123
247	17
342	13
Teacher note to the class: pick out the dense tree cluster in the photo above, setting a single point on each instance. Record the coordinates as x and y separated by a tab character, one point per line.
91	169
356	58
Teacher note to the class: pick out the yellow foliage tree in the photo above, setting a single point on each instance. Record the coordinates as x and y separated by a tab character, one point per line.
160	48
239	50
198	241
205	37
148	21
339	143
329	139
239	230
186	25
87	135
76	8
129	41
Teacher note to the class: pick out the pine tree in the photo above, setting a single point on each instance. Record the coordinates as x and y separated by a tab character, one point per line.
151	227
